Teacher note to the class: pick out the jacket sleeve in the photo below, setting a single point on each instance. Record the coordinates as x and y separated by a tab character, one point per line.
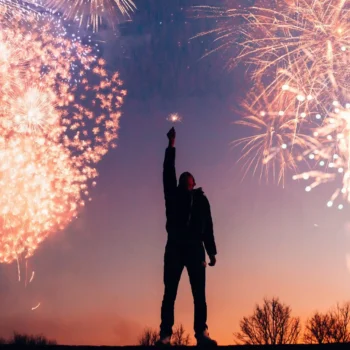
169	173
208	239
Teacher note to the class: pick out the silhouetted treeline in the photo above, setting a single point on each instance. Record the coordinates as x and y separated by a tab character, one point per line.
272	323
26	339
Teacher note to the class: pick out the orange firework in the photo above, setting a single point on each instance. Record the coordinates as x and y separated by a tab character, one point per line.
332	158
278	141
59	115
312	32
91	13
8	8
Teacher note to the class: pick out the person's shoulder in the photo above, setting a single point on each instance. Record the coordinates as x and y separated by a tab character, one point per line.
200	193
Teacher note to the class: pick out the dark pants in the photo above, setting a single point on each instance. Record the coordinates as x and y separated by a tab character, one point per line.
175	259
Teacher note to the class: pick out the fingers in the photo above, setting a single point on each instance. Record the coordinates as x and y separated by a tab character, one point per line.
171	133
212	261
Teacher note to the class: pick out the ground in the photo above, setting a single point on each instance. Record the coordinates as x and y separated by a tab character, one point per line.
236	347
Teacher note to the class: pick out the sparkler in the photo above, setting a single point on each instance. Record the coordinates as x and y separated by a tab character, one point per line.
174	118
59	116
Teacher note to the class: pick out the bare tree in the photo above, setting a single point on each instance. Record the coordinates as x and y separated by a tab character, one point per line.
270	324
319	329
331	327
179	338
341	321
149	337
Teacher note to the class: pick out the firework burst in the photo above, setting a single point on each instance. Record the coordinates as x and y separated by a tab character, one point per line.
332	158
59	115
299	54
10	8
92	13
311	32
278	141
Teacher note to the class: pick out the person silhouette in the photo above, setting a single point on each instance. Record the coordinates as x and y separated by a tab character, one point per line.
189	224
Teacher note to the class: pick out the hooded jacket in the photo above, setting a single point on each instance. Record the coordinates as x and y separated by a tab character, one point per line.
188	212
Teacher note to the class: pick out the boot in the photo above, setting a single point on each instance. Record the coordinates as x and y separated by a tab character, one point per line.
203	339
163	341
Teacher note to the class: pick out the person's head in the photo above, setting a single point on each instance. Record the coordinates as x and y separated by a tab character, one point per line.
187	181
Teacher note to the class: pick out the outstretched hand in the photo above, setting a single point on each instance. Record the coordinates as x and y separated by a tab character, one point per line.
212	260
171	136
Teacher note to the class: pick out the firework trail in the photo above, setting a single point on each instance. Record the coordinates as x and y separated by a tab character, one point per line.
36	306
91	13
59	115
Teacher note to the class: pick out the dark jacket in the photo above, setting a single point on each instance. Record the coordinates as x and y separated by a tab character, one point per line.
188	212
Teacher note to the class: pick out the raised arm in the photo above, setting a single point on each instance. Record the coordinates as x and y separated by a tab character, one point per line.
169	172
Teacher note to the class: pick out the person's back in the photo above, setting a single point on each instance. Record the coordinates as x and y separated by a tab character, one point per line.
189	225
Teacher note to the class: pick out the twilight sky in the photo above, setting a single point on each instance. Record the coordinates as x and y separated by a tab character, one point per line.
100	281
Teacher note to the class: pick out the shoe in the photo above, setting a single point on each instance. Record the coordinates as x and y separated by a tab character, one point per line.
203	339
163	341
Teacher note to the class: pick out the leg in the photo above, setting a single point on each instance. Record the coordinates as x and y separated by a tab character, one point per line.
196	273
173	266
